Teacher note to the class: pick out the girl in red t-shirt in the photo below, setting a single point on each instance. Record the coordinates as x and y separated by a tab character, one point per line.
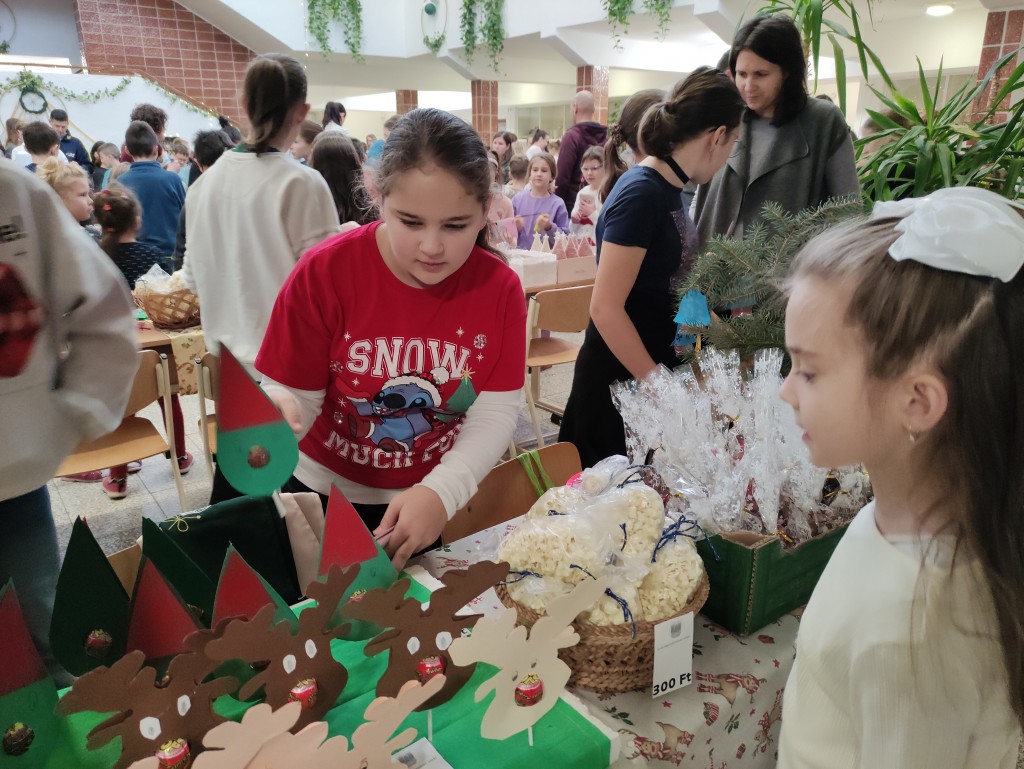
397	350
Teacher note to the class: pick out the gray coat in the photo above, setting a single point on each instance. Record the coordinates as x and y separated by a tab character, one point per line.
809	161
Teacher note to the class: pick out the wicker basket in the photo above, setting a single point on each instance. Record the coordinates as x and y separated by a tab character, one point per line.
608	658
172	310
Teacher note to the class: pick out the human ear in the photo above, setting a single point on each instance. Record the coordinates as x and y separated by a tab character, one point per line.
925	400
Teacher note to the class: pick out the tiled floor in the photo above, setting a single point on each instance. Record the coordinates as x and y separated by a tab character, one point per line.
152	493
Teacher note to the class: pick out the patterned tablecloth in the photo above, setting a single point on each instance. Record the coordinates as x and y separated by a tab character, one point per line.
185	347
729	718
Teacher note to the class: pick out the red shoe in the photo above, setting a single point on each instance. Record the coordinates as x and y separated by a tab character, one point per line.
116	488
185	463
93	476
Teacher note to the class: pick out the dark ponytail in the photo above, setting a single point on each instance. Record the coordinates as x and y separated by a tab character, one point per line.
274	83
625	132
703	101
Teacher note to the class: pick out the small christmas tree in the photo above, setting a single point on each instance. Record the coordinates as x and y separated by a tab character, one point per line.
749	272
460	400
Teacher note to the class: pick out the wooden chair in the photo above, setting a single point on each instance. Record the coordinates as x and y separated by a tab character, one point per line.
136	437
208	384
559	310
507	492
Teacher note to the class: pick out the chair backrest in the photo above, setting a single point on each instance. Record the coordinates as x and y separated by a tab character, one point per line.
209	376
507	492
148	385
561	309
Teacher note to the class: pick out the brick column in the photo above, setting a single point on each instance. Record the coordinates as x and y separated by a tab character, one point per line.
595	79
485	108
165	42
1004	31
406	101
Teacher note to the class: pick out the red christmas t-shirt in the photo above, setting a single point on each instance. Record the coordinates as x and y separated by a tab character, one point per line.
401	365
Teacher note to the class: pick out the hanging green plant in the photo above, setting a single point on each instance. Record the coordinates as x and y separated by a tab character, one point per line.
660	9
618	13
467	27
320	14
493	31
5	46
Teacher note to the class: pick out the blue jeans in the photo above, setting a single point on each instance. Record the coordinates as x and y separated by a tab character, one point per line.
29	555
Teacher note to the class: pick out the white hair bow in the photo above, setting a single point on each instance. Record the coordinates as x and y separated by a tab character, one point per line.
960	229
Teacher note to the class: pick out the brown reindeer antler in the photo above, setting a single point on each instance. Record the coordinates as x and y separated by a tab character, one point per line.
301	666
418	638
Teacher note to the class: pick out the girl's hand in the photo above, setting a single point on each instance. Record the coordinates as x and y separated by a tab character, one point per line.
288	406
520	222
417	516
586	206
576	218
544	222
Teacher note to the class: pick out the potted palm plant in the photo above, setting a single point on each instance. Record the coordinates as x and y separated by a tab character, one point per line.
929	145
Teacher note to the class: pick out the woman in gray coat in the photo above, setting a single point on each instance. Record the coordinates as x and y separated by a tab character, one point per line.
792	150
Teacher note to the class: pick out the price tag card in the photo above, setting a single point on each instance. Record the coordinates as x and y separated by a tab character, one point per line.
421	755
673	654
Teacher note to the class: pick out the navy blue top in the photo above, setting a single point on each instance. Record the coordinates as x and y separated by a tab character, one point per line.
75	150
645	211
162	196
135	259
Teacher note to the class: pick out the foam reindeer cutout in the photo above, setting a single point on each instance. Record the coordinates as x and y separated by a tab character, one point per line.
418	638
166	716
262	739
301	666
531	676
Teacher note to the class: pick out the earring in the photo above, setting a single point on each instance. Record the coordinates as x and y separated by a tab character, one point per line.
912	435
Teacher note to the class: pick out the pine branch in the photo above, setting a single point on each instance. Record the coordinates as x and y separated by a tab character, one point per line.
751	271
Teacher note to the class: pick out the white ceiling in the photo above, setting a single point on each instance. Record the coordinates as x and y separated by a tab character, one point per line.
544	49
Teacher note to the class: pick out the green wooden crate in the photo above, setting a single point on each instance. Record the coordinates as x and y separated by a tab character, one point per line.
756	581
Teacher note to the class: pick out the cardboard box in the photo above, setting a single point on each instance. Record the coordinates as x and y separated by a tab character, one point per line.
535	269
574	270
755	581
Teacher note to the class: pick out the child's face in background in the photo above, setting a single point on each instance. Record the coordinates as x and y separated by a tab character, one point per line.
540	175
431	221
301	149
77	200
593	172
182	158
844	413
107	160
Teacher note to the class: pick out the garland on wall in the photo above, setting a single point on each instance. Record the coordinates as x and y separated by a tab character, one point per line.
482	19
434	42
33	100
320	14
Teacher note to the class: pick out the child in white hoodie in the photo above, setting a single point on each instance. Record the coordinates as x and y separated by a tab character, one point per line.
67	361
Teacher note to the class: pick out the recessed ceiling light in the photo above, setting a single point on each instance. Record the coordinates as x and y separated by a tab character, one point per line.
939	10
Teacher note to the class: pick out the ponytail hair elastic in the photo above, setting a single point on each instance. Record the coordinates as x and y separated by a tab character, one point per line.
959	229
